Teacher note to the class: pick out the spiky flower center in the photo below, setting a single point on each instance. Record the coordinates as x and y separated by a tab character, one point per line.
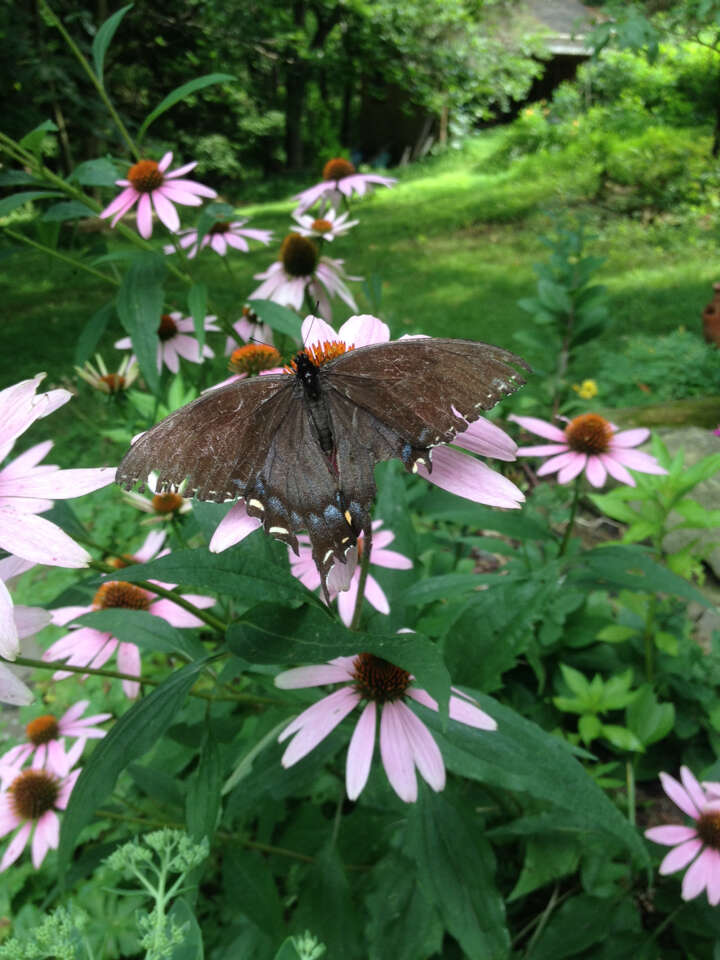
42	730
708	828
168	328
337	168
320	353
113	382
33	793
321	226
166	502
589	433
254	357
145	176
299	255
221	226
378	680
118	593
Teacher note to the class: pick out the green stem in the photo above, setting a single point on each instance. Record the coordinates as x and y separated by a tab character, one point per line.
364	567
630	781
53	19
649	637
60	256
573	511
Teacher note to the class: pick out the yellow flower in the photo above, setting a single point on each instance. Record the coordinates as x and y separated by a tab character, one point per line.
587	389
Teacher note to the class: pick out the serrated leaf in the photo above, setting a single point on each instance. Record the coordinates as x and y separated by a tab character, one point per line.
140	306
8	204
131	736
144	629
249	882
455	869
443	587
575	680
180	93
522	757
197	305
312	635
402	923
326	906
278	317
103	38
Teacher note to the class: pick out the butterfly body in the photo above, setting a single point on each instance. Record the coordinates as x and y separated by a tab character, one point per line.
301	448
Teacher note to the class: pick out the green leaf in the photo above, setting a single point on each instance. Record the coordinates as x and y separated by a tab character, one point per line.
648	719
589	727
8	204
92	332
33	141
554	297
575	681
455	870
520	756
140	306
517	524
248	880
444	587
631	568
197	305
103	38
131	736
245	572
144	629
278	317
617	633
95	173
67	210
621	737
402	923
180	93
696	515
546	859
191	947
577	925
203	796
287	951
667	642
326	907
312	635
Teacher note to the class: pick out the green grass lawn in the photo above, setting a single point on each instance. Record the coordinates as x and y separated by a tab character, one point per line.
453	246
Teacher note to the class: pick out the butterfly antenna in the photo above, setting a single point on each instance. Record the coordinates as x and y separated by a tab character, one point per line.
314	316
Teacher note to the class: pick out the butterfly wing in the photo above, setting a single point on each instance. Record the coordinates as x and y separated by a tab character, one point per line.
207	441
425	389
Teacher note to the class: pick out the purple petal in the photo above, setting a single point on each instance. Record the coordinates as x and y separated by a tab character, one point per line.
166	161
631	438
12	689
125	199
181	171
183	197
58	485
191	187
317	722
713	880
16	846
569	472
390	559
595	471
363	330
316	676
467	477
46	837
39	540
616	470
234	527
360	752
396	754
679	857
671	834
488	440
694	790
698	875
540	427
128	661
166	212
144	216
426	753
679	796
636	460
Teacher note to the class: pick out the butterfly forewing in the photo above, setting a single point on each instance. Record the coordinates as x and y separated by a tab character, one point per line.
208	442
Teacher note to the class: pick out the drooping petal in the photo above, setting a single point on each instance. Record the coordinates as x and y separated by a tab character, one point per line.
66	788
637	460
467	477
46	837
12	689
679	795
39	540
426	753
375	595
126	197
569	472
315	723
484	437
595	471
166	212
390	559
128	661
58	485
234	527
360	752
9	640
698	875
540	427
30	620
144	216
16	846
616	470
713	880
315	676
396	753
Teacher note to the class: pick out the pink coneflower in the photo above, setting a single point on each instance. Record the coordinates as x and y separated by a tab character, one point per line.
28	488
452	470
150	186
16	621
174	341
327	227
221	235
340	179
687	842
405	741
87	647
101	379
249	329
344	579
162	507
250	361
31	802
589	443
45	738
301	271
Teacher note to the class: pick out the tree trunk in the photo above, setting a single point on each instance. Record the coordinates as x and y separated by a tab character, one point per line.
716	131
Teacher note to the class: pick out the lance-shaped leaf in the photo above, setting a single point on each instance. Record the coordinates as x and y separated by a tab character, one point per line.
180	93
103	38
139	306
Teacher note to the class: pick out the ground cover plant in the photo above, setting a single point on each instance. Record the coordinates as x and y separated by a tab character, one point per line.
481	740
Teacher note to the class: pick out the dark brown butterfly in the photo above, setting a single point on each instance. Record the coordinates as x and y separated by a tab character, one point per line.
301	448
